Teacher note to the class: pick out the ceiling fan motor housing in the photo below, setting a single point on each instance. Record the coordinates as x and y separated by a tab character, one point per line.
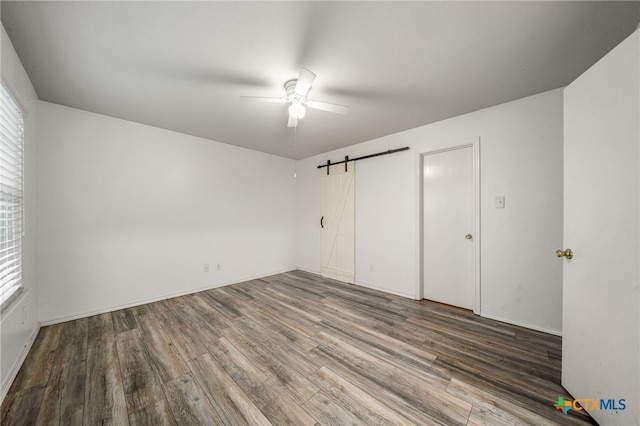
290	87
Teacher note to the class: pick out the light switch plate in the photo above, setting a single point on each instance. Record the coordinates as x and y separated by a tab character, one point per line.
500	202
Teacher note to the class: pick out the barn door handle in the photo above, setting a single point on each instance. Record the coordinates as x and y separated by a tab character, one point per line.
321	224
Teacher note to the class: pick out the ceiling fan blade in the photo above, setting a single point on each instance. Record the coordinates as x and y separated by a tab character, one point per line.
261	99
305	80
324	106
293	121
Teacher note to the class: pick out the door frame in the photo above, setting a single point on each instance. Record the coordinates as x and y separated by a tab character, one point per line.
474	144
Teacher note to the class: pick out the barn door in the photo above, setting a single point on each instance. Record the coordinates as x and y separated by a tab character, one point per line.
337	222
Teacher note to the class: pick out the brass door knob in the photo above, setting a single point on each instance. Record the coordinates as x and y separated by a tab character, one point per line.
566	253
468	236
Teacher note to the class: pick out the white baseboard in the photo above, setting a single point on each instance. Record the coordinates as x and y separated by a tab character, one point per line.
153	299
309	271
8	381
386	290
361	284
523	324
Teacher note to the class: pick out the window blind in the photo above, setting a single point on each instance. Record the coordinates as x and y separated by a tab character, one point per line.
11	197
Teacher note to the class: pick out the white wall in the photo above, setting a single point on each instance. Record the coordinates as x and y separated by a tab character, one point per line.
130	213
19	323
521	159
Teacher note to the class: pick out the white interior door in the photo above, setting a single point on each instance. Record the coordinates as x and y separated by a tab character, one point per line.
601	321
448	227
338	222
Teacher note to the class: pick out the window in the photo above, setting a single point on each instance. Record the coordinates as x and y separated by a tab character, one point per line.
11	200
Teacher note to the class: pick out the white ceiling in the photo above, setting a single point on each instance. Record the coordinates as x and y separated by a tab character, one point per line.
183	65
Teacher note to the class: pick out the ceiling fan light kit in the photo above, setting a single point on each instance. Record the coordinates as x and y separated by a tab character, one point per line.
297	110
296	91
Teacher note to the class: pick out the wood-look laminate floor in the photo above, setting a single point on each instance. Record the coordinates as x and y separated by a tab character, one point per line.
295	349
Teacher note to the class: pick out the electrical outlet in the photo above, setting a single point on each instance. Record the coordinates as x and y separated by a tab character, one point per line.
205	267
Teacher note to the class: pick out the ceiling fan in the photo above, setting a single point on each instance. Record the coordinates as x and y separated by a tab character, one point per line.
296	94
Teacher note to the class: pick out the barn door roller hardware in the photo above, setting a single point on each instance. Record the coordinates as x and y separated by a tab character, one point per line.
346	158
